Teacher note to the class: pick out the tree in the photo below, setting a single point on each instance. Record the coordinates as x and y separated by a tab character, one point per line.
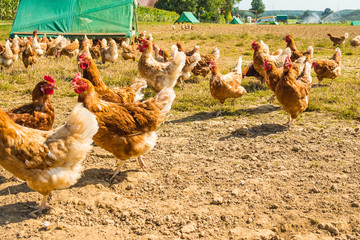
257	5
326	12
177	6
305	14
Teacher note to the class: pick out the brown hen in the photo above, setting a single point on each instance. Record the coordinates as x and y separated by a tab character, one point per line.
125	130
40	113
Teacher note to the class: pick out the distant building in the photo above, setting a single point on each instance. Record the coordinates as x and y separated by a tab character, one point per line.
147	3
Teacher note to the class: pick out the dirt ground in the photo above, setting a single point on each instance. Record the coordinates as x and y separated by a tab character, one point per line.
210	178
242	175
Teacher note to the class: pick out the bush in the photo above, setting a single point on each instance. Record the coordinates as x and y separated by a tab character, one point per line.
148	14
7	9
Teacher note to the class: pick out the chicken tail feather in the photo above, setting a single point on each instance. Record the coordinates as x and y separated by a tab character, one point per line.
138	84
164	99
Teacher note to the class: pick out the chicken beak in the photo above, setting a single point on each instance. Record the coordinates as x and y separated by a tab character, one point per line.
55	87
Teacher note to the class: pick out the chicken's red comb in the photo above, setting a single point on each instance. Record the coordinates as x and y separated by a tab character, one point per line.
254	42
287	36
35	31
49	79
82	56
77	77
266	62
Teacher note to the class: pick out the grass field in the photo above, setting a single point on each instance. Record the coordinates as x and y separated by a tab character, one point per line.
242	174
340	99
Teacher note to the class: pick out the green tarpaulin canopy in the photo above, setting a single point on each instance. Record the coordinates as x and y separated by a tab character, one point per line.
75	18
236	21
281	17
355	23
187	17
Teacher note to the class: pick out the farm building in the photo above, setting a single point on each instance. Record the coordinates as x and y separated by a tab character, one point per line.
187	17
236	21
76	18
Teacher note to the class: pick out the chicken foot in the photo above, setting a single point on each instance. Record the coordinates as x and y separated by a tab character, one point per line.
42	207
140	161
271	99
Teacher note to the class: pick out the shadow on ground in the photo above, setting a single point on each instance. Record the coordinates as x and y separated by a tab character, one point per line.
256	131
203	116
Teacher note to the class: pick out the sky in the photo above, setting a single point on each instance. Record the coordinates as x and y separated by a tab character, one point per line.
335	5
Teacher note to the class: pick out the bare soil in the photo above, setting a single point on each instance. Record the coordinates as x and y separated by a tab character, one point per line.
211	178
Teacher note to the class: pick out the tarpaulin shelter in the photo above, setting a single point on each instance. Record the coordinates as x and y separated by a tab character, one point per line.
187	17
76	18
282	18
236	21
355	23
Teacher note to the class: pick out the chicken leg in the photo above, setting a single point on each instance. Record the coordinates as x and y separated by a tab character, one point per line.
42	207
117	170
219	112
142	164
140	161
289	122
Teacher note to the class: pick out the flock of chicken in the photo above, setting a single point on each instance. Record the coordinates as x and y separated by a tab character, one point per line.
116	119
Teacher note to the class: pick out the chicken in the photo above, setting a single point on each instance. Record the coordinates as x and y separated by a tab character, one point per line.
249	70
292	90
40	113
125	130
43	43
192	58
261	55
157	74
129	51
273	74
202	67
109	53
35	36
295	54
141	37
328	68
47	160
338	40
356	41
161	55
95	50
37	47
29	56
2	49
7	56
15	48
85	49
71	50
55	46
150	38
226	86
128	94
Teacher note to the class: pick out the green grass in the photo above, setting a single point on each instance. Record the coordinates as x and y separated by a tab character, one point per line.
341	98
